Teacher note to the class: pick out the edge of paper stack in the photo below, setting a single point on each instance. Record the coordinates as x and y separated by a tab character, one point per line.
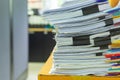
87	39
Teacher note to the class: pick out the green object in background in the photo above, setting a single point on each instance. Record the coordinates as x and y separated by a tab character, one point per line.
49	27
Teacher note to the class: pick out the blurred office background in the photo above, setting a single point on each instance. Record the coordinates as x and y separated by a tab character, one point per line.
41	33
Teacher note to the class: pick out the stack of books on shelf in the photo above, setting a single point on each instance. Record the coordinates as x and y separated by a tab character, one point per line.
84	32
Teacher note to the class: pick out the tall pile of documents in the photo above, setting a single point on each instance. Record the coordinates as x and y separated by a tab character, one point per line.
84	31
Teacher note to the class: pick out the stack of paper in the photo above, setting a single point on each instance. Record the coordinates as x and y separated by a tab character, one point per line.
84	32
113	58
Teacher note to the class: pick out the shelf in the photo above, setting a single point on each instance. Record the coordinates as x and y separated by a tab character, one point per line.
44	74
40	30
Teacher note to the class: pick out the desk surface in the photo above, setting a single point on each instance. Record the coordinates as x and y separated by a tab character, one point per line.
46	68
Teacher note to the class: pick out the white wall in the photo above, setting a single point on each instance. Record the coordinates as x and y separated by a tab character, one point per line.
51	4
